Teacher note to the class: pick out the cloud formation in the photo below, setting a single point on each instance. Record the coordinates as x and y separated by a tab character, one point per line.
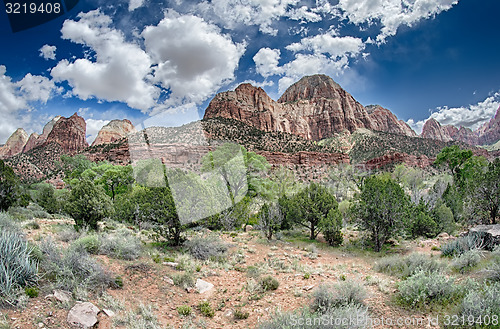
472	116
391	14
120	70
233	13
93	128
324	53
192	58
48	52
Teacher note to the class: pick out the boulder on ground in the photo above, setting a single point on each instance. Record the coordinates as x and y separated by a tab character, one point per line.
489	233
203	286
83	315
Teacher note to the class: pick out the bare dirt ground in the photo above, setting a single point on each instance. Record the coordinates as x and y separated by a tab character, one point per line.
298	270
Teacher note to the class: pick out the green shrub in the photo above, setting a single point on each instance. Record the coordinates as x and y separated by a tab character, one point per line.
404	267
31	292
254	271
463	244
90	243
73	268
330	296
206	309
481	304
466	261
184	280
88	203
7	223
142	318
493	270
241	315
121	245
424	289
207	247
269	283
18	269
331	227
184	310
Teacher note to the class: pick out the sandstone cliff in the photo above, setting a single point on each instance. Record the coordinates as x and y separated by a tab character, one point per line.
69	133
314	108
114	131
14	144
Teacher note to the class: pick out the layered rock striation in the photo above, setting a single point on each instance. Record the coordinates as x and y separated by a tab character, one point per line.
314	108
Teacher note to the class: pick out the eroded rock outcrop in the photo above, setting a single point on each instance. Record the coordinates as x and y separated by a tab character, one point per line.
69	133
314	108
113	131
14	144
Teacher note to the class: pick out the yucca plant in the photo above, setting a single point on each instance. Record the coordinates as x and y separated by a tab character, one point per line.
17	267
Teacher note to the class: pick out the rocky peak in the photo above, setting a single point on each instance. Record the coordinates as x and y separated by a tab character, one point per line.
69	133
48	128
32	142
489	133
384	120
433	129
14	144
312	87
113	131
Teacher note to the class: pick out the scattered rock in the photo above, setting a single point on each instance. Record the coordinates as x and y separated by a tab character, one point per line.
168	280
190	290
83	315
248	228
443	236
307	288
228	313
171	264
203	286
60	295
108	312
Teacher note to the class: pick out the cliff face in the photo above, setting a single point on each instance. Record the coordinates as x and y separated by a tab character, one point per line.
313	108
69	133
32	142
490	132
384	120
113	131
14	144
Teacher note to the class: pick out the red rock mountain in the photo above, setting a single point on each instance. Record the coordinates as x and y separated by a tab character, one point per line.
69	133
14	144
113	131
314	108
489	133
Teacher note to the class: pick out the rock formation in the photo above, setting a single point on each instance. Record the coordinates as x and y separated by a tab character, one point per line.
314	108
14	144
113	131
384	120
488	134
32	142
69	133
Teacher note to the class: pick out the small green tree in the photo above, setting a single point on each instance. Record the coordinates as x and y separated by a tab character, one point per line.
309	206
421	223
88	203
270	218
9	186
47	199
443	216
331	227
381	208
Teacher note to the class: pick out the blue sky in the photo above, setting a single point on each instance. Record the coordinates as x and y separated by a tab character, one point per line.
137	59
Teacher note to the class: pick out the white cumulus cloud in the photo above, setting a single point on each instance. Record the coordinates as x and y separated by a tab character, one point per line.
134	4
193	58
93	128
324	53
261	13
391	14
16	100
48	52
472	116
120	70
